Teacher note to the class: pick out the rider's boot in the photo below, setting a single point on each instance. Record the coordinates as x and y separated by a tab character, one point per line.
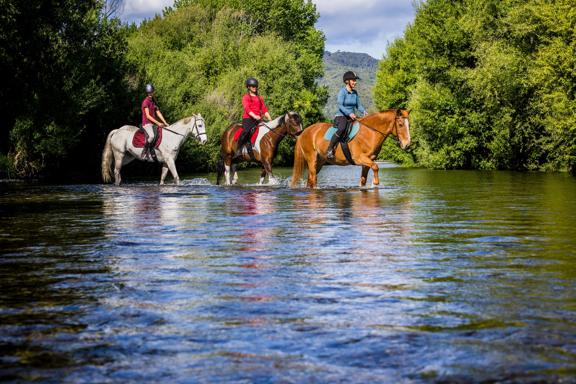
330	151
249	148
145	151
240	144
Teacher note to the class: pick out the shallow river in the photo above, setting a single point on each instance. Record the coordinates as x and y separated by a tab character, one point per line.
435	277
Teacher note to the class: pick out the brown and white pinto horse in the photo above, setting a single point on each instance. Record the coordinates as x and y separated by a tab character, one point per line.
311	146
269	136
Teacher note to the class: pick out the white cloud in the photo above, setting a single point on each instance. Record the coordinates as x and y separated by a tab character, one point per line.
363	25
349	25
137	10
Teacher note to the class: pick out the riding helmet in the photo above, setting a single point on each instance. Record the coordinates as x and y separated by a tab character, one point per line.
350	76
251	82
149	88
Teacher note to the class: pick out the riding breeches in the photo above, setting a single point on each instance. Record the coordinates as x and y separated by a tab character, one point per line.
150	130
341	122
248	125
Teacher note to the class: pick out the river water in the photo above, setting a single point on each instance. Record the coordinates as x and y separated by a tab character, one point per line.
434	277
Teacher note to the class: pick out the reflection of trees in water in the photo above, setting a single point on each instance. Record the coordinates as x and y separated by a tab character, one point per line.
50	258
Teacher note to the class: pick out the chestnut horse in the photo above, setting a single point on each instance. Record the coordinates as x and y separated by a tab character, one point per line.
311	146
269	136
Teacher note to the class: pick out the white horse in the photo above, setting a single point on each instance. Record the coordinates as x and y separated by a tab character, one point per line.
119	147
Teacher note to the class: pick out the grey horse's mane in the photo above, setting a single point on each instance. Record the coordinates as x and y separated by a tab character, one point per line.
185	120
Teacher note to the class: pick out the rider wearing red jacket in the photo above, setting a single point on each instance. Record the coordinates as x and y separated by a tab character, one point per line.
254	108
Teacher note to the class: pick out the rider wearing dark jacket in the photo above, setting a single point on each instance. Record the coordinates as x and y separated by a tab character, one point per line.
348	103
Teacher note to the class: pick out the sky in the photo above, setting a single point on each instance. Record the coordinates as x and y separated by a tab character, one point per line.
349	25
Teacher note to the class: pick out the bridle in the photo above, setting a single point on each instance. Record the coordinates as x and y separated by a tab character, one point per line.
195	127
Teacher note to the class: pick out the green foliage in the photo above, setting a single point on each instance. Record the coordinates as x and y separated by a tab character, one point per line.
491	84
200	53
63	82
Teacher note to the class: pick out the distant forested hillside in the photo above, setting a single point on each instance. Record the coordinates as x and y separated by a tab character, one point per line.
335	64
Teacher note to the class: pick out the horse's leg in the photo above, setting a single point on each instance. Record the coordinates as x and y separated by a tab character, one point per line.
262	176
172	167
313	169
234	174
364	176
267	170
227	175
118	161
367	162
164	173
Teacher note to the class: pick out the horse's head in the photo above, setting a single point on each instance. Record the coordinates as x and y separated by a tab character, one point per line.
198	128
293	123
402	128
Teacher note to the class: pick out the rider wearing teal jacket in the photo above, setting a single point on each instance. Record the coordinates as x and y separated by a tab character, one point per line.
348	104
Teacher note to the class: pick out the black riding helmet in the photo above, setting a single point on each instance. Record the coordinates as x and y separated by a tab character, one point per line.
251	82
149	88
350	76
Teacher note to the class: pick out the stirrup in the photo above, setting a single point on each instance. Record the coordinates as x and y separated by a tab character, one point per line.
330	154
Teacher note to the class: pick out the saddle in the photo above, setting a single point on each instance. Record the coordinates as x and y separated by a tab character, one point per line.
349	133
252	138
139	138
139	141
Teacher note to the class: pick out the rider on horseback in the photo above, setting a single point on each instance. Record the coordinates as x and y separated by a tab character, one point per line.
150	119
348	103
254	107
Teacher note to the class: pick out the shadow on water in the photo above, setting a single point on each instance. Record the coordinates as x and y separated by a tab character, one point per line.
432	277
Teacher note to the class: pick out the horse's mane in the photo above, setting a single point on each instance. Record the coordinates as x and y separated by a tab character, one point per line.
185	120
391	110
275	123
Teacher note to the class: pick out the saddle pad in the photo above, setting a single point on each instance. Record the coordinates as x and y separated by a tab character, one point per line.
252	139
332	130
139	138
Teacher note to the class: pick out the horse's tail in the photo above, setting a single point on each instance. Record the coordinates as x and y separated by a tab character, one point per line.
220	169
299	164
107	158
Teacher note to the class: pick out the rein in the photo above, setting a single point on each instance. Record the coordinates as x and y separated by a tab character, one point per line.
395	129
180	134
273	129
169	130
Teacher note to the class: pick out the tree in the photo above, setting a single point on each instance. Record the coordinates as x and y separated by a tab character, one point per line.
204	51
489	83
64	69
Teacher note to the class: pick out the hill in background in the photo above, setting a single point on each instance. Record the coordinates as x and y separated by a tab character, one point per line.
335	64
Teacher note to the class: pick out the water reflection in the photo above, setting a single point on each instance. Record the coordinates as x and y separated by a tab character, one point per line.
435	277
